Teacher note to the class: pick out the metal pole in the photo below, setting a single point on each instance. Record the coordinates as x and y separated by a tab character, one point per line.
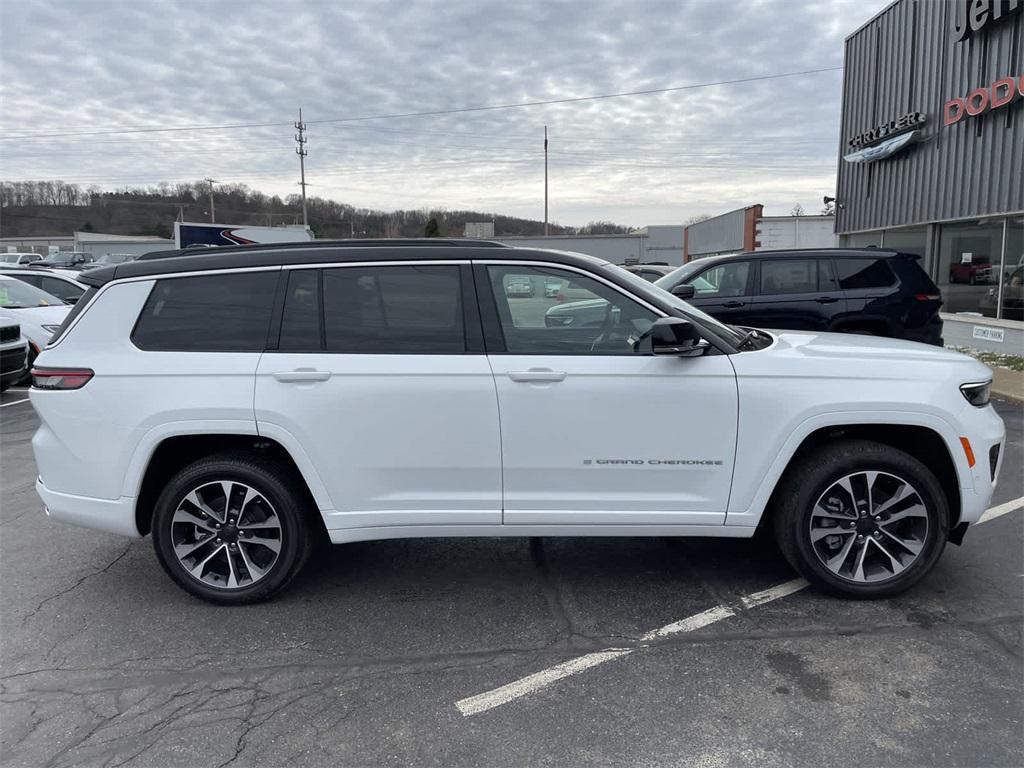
300	150
1002	264
545	181
211	182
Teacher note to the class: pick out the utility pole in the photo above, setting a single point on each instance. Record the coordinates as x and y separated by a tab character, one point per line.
545	181
300	150
211	182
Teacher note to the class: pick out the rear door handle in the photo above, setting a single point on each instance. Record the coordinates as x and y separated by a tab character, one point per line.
537	374
733	304
302	374
827	300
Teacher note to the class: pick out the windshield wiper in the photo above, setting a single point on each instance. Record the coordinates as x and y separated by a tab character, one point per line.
748	337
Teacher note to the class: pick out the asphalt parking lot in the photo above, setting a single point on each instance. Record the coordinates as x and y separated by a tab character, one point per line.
466	652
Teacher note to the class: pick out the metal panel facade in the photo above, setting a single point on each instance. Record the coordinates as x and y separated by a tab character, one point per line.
717	235
908	59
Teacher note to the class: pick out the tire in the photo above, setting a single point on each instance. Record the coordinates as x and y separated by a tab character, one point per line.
268	510
912	523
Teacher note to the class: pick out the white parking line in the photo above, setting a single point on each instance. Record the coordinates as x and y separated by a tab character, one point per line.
14	402
474	705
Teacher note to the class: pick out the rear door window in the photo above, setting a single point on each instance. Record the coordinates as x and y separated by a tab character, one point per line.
864	273
393	310
208	313
722	281
788	276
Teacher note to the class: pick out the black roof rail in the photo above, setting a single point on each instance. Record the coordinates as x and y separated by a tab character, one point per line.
380	242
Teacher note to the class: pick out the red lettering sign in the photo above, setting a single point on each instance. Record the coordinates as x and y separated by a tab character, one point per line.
981	100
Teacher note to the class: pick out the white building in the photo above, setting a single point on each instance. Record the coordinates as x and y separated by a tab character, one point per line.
654	244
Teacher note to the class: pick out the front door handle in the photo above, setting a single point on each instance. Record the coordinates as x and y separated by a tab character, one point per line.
537	374
302	374
733	304
827	300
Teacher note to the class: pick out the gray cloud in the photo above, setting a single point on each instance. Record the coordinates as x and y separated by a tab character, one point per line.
84	66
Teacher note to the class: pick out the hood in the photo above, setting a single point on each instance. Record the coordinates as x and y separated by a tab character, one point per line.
853	356
32	320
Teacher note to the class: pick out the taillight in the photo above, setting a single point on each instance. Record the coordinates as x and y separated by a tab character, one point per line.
60	378
928	296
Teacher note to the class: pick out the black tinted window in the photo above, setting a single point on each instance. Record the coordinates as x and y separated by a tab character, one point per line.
300	324
208	313
864	273
789	276
62	289
411	310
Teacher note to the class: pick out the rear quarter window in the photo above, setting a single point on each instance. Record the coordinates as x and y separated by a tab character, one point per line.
864	273
208	313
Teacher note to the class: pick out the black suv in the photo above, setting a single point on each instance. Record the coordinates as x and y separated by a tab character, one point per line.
855	290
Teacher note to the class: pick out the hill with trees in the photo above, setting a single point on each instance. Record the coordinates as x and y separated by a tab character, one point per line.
37	208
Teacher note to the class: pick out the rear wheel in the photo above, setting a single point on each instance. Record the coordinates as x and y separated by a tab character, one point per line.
230	529
861	519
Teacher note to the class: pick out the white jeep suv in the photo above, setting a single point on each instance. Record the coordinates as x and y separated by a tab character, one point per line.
238	404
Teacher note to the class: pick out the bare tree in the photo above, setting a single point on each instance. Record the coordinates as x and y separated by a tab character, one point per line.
697	219
796	210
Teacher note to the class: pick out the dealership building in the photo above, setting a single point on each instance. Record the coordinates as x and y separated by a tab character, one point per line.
932	157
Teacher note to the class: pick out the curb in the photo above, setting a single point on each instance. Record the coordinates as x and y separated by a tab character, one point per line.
1008	384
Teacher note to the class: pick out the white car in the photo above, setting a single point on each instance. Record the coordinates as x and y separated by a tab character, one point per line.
13	354
38	313
13	259
65	288
262	396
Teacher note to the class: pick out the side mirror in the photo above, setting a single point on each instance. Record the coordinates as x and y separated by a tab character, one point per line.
675	336
683	291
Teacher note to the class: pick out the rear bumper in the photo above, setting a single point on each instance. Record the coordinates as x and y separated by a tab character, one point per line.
109	515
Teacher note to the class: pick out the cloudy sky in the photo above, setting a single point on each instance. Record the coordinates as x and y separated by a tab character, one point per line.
80	70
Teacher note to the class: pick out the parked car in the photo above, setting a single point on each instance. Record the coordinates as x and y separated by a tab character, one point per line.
360	393
1013	297
108	259
857	290
519	286
15	259
65	288
977	270
13	354
650	272
72	260
38	313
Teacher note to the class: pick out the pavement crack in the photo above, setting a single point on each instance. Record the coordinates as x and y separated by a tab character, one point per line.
550	587
75	586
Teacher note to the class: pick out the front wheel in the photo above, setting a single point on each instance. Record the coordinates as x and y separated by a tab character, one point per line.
230	529
861	519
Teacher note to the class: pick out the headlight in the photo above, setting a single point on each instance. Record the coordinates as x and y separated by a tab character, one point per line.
977	394
51	328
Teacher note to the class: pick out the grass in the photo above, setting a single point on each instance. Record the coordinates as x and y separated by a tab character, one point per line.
997	359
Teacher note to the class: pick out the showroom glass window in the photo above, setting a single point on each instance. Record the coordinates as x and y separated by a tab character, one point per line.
970	264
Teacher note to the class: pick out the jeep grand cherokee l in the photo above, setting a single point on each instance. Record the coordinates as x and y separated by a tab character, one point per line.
259	397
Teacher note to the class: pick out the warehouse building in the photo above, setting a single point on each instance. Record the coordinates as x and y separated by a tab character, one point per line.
748	229
932	158
658	244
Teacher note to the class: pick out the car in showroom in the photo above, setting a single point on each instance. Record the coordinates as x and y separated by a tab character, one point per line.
38	313
67	289
271	395
868	291
15	259
13	354
1012	299
971	270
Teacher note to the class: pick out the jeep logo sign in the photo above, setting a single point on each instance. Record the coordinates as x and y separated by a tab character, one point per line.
980	100
971	16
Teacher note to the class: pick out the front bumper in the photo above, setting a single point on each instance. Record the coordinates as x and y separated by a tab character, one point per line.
985	430
110	515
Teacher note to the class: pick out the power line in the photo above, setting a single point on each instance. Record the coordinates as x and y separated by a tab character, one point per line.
437	112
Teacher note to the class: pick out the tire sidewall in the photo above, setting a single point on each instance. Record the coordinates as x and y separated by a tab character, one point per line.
824	475
267	482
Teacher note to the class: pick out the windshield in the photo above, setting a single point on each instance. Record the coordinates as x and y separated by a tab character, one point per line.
68	257
677	276
113	258
15	294
645	288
